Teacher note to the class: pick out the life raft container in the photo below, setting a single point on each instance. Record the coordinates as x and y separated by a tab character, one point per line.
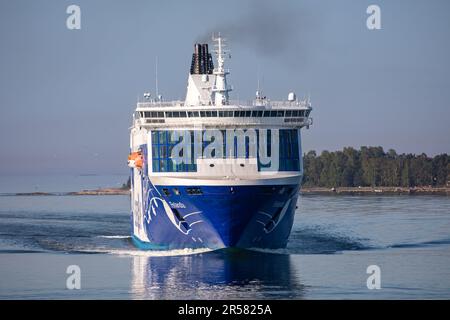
135	160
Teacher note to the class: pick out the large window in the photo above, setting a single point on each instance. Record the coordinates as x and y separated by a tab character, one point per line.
163	144
289	153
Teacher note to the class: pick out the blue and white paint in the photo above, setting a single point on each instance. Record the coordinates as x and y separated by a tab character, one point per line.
208	172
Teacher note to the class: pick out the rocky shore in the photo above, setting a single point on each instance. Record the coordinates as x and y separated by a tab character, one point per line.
101	192
97	192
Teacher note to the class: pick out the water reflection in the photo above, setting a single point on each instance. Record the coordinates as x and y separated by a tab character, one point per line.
223	274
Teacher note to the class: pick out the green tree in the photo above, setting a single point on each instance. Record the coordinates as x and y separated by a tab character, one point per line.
371	166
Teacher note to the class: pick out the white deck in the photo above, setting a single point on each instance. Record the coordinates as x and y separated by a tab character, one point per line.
278	178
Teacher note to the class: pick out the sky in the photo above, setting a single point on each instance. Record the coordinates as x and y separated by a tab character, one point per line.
67	96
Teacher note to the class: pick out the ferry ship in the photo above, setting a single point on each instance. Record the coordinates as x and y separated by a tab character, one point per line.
209	172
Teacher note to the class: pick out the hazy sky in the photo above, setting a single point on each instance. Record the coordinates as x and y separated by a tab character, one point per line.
66	96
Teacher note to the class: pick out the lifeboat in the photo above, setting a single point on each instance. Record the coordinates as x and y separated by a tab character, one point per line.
135	160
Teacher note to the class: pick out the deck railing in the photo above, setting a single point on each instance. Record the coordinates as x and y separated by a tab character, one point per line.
232	103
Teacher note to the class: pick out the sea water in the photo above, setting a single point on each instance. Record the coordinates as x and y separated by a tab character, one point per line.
333	241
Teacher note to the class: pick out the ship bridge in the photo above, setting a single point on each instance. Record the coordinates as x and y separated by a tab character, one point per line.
256	113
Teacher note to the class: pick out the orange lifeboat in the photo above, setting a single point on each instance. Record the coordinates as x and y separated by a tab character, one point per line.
135	160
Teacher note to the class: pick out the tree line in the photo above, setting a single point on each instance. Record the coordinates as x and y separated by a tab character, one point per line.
371	166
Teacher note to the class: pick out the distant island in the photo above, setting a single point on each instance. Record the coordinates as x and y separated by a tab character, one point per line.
369	170
372	167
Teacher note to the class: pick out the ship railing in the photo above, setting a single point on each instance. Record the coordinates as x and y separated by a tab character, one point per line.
172	103
269	103
237	103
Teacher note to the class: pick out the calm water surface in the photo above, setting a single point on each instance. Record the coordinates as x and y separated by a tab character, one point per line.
333	241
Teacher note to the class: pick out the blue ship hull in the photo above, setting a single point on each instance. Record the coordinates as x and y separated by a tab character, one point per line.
244	216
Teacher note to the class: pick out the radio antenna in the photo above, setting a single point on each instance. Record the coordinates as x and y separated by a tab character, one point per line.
156	77
257	76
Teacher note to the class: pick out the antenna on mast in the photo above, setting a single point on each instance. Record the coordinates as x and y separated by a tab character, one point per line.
156	77
257	77
220	89
258	89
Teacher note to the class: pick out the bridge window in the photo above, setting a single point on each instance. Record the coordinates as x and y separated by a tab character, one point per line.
155	114
208	113
193	114
242	113
152	114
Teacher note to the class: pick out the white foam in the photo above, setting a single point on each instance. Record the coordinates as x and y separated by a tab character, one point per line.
114	237
272	251
152	253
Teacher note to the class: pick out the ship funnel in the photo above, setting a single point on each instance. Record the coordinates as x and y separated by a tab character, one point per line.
202	62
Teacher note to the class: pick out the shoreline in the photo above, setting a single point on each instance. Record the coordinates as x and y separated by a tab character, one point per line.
441	191
94	192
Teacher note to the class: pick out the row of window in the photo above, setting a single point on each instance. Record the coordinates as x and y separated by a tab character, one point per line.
155	121
197	191
293	119
225	113
192	191
162	146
